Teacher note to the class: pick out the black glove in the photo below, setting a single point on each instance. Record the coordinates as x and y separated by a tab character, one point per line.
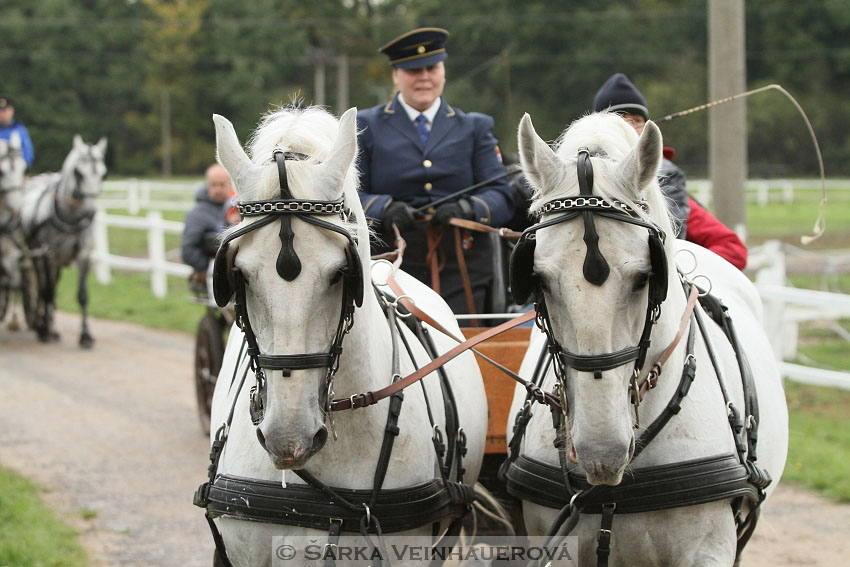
460	209
397	213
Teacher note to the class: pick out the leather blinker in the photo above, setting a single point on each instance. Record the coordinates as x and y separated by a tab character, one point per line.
223	287
523	280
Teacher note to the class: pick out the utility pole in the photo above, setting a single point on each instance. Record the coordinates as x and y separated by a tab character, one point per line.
165	103
727	123
342	83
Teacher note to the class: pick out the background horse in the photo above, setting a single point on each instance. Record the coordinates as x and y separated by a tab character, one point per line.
596	292
12	168
298	275
57	220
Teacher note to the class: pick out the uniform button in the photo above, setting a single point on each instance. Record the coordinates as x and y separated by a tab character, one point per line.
427	163
428	186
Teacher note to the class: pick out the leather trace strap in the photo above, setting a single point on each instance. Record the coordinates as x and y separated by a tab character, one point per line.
370	398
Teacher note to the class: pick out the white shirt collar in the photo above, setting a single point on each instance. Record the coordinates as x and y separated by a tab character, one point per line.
429	112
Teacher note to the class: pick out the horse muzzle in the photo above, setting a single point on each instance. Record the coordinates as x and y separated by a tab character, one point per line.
289	451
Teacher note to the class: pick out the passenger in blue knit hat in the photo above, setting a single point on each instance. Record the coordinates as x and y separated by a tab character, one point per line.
416	149
695	223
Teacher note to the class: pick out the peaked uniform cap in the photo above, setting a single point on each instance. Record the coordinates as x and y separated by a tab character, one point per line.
418	48
618	94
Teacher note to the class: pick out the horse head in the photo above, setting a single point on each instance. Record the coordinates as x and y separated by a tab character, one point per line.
595	275
83	171
294	264
12	167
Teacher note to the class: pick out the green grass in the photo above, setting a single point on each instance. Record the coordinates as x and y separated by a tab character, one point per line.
819	442
129	298
30	535
788	222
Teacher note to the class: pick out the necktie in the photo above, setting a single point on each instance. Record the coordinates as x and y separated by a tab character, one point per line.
422	128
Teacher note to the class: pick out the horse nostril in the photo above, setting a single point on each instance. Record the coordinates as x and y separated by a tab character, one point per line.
319	439
262	439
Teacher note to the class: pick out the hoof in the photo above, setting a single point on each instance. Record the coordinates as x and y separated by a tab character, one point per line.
48	336
86	341
13	325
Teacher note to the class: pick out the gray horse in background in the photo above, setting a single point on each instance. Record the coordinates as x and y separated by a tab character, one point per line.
12	168
57	216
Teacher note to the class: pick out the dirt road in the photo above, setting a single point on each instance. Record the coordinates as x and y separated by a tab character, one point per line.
113	434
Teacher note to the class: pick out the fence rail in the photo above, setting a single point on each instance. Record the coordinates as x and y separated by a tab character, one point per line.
134	195
784	308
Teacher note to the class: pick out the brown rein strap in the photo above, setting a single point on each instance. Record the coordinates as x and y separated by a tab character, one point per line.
651	379
369	398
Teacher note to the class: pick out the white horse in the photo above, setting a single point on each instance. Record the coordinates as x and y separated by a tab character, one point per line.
12	168
596	297
57	218
293	297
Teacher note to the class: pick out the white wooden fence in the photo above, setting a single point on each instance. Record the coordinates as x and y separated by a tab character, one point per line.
136	194
156	262
785	307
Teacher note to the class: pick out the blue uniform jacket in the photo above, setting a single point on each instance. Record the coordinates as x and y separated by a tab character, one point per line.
460	152
26	143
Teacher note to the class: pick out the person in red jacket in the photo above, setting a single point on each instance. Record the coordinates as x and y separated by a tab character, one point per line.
695	223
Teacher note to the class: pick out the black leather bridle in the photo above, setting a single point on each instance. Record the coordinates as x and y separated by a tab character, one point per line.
524	281
229	282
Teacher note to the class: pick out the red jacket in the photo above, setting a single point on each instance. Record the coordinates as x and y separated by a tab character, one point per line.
704	229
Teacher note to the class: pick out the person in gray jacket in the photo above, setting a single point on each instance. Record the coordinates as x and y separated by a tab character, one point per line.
203	223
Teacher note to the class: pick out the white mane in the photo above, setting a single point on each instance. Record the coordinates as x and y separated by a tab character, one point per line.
312	132
609	139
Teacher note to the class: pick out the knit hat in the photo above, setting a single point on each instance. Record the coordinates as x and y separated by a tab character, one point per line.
618	94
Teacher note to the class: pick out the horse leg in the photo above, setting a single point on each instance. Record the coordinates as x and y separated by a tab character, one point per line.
45	330
86	340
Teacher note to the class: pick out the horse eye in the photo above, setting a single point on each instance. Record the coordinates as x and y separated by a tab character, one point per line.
641	281
337	276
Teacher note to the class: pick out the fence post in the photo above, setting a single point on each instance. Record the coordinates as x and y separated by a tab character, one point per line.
782	333
156	253
133	196
101	247
762	193
787	191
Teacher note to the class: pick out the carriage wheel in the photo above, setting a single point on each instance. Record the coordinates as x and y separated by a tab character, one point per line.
209	352
4	301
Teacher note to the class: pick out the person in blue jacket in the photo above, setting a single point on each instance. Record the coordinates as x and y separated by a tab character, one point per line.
418	148
8	124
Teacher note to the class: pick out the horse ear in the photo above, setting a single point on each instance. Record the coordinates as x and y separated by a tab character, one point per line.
78	141
229	151
641	165
541	165
342	153
15	140
101	145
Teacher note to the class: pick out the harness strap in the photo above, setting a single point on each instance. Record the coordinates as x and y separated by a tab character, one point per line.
370	398
603	545
646	489
651	378
310	506
464	275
